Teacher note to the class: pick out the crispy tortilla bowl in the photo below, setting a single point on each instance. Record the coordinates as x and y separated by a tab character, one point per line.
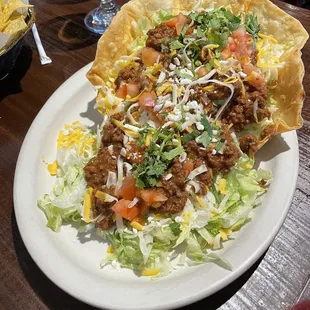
288	91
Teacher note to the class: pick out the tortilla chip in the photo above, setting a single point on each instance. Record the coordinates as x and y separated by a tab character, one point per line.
10	7
289	93
15	26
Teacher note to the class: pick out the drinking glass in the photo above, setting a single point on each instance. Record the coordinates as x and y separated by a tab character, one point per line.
99	19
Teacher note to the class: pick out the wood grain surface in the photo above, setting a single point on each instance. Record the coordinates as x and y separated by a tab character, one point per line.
277	281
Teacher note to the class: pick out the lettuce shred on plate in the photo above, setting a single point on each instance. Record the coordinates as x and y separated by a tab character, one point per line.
169	176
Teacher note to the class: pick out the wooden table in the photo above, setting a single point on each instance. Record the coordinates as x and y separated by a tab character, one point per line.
278	280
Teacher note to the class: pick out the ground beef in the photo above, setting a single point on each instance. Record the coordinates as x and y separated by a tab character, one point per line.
248	143
97	169
133	75
101	208
204	179
199	95
194	151
157	35
223	162
112	135
174	190
269	131
218	162
240	111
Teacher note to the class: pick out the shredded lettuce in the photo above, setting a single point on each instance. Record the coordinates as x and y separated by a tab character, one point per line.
65	203
190	237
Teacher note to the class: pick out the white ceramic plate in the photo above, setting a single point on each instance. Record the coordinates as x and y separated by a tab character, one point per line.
72	262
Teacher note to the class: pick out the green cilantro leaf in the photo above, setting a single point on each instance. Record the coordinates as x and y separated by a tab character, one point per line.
220	144
204	139
251	25
206	124
176	45
173	153
190	136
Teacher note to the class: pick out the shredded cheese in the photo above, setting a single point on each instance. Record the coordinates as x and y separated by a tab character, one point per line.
150	272
52	168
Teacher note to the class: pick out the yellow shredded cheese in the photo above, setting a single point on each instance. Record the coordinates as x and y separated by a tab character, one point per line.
201	203
136	225
150	272
87	208
270	37
187	216
225	233
248	166
222	187
129	132
100	195
52	168
166	87
148	139
208	88
110	249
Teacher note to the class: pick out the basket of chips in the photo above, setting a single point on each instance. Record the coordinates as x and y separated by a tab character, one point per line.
16	19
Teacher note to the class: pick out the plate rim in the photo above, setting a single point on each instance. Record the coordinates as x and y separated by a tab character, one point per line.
172	304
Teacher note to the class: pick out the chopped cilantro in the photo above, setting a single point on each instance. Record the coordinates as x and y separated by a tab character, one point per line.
157	158
175	228
200	32
190	136
173	153
220	144
216	25
176	45
143	134
206	124
183	31
204	139
251	25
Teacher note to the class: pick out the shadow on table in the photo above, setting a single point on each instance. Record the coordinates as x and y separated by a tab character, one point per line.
55	298
11	84
64	33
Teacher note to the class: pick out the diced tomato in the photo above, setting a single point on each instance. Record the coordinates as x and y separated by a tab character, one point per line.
232	47
202	71
149	56
172	21
255	79
178	22
132	213
151	196
128	188
122	92
248	68
241	44
143	206
239	33
182	20
147	101
121	208
226	53
188	166
133	90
